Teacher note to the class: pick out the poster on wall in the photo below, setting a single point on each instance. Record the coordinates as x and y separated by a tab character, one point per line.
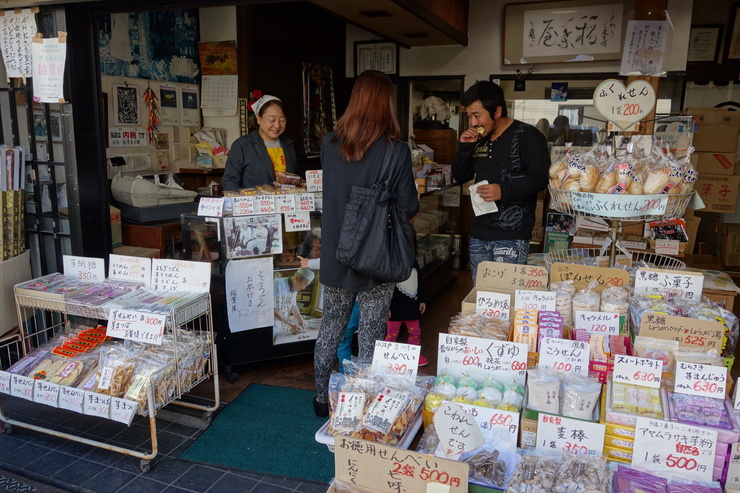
294	300
149	53
249	293
217	58
248	236
126	105
169	109
644	48
16	32
49	57
189	113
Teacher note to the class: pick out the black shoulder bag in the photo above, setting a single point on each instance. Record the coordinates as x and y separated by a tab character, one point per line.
376	238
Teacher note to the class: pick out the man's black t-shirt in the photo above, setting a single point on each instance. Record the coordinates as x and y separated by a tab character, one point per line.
518	160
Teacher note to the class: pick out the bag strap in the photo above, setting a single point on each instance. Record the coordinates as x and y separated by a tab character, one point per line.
386	163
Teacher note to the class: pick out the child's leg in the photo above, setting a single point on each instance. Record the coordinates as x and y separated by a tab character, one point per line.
414	332
392	329
344	351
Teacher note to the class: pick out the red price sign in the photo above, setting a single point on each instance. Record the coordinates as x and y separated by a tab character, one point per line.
297	221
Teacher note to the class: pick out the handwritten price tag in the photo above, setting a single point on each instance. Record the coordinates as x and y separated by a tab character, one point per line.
534	300
493	304
646	372
22	387
96	405
451	196
487	418
624	106
175	275
564	355
599	323
136	326
284	203
264	204
574	436
297	221
305	202
123	410
242	206
71	399
84	268
396	359
733	470
480	358
674	448
315	180
46	393
126	268
211	207
698	379
667	247
4	382
458	432
676	284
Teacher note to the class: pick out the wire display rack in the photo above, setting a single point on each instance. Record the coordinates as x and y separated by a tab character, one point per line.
593	256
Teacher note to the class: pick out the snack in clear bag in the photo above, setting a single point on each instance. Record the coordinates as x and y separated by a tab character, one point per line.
390	413
493	463
587	299
533	474
580	395
543	390
577	473
116	366
349	399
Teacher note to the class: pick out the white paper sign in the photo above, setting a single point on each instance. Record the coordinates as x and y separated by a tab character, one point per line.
211	206
615	205
667	247
480	358
71	399
674	449
46	393
123	410
250	299
96	405
622	105
4	382
49	57
458	432
305	202
733	469
127	137
675	284
646	372
297	221
564	355
84	268
574	436
264	204
127	268
174	275
315	180
16	33
284	203
488	418
644	47
534	300
136	326
395	359
493	304
242	206
451	196
21	386
698	379
598	323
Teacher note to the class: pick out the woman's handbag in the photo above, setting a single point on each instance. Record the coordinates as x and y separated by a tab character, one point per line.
376	238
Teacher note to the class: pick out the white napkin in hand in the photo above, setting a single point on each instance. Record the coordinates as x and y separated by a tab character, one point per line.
480	206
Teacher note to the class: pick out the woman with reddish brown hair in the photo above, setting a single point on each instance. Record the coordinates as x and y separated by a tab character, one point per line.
353	155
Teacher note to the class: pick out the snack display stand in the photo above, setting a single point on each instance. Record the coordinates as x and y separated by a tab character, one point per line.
41	318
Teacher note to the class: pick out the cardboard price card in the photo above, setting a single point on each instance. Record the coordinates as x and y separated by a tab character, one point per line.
564	355
373	466
646	372
599	323
242	206
511	276
211	207
480	358
84	268
690	332
574	436
136	326
670	283
703	380
674	448
396	359
534	300
491	304
582	275
127	268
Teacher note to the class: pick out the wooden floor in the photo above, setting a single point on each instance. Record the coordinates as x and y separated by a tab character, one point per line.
297	372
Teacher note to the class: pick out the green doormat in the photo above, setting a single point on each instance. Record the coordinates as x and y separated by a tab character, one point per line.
269	430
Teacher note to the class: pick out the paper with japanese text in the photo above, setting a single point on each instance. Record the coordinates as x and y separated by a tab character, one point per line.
395	359
250	294
573	436
480	358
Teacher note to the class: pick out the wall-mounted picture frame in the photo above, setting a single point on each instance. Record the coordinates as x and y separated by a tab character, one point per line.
40	127
376	55
545	32
732	43
704	43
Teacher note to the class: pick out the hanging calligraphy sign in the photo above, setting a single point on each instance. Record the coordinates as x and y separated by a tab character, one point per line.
16	32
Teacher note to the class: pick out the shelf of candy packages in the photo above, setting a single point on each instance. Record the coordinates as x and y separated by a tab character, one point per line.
373	407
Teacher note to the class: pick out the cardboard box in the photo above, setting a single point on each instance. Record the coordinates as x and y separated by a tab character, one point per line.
538	233
730	245
719	192
714	163
135	251
527	432
116	229
716	138
714	116
692	228
12	272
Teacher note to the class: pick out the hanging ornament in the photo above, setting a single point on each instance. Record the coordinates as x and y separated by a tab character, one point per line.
152	106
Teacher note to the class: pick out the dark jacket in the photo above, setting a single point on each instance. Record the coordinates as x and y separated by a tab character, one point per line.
339	177
249	165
